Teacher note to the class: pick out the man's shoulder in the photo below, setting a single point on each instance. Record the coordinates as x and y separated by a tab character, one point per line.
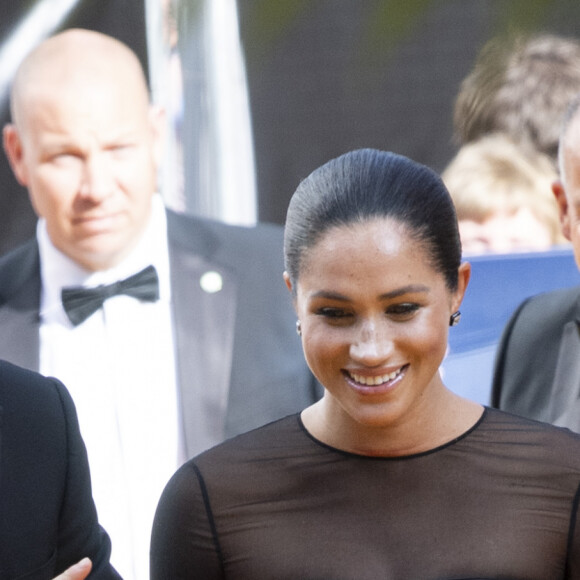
561	295
541	318
527	354
225	242
17	267
34	390
550	308
14	257
191	226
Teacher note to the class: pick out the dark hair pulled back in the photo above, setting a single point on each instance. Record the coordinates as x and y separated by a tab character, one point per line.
367	184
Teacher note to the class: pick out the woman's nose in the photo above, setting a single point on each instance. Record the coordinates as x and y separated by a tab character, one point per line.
372	344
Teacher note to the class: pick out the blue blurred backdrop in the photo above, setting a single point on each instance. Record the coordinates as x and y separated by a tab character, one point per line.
499	283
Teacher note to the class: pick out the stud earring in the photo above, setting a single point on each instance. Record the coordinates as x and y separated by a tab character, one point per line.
455	318
298	328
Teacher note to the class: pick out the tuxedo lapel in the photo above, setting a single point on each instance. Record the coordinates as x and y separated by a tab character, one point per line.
204	318
19	307
564	402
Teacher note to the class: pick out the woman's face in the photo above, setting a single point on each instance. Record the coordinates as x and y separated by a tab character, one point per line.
374	316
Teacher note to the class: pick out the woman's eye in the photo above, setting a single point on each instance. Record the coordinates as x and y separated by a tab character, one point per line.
334	313
403	310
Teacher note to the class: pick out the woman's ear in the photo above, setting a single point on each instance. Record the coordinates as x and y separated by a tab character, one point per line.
463	276
287	281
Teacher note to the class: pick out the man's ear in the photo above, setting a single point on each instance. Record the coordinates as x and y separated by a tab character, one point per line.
158	122
562	201
15	153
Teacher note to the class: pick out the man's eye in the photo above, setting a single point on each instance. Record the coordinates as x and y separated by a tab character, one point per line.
120	149
63	157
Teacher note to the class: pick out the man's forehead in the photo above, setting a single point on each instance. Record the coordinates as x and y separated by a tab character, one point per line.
83	124
107	96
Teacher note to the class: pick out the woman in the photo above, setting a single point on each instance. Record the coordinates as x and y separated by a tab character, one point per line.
389	475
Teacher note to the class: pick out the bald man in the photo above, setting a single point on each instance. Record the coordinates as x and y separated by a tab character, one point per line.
186	335
537	371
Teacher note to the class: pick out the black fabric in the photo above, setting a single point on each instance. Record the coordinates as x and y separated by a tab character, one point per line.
528	372
48	519
79	302
498	502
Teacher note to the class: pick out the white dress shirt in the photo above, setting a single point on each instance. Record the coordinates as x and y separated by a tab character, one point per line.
119	366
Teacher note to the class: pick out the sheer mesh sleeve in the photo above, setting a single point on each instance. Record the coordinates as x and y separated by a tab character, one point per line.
183	542
573	564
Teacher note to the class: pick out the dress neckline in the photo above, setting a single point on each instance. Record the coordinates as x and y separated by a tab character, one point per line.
397	457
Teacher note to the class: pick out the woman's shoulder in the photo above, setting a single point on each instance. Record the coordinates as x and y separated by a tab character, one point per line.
271	441
232	467
529	438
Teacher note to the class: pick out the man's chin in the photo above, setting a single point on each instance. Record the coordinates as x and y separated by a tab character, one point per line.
101	252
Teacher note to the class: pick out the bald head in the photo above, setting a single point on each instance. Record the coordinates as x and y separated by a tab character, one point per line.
86	144
71	62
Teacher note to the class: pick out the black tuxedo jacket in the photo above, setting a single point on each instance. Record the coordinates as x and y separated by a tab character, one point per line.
240	362
47	516
537	368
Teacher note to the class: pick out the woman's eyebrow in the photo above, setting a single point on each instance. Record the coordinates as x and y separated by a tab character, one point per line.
409	289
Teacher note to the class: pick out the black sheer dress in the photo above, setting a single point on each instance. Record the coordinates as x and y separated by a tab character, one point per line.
500	501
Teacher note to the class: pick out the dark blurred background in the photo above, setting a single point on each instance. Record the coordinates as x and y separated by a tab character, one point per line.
327	76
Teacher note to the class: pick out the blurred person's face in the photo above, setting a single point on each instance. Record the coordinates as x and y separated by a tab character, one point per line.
87	152
568	192
505	232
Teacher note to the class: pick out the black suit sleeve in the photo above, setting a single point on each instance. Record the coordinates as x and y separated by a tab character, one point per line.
529	351
500	358
48	519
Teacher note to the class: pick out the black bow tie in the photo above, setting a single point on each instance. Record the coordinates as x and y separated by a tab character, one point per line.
79	303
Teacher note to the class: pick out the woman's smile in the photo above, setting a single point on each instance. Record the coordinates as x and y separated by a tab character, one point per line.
374	384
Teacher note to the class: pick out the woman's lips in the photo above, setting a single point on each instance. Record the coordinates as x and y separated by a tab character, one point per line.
376	383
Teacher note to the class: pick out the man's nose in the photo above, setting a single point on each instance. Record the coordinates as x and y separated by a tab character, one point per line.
97	178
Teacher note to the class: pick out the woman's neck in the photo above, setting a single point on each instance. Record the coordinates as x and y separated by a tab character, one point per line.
439	418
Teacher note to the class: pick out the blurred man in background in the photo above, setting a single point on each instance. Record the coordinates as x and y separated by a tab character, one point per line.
537	371
171	332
